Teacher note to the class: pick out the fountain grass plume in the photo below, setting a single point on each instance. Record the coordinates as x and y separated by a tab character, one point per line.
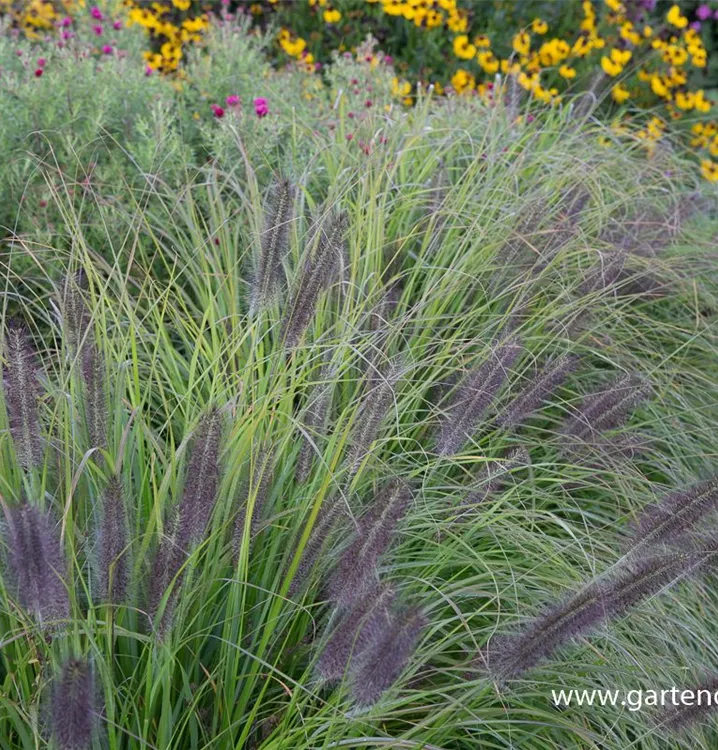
511	656
201	480
112	543
379	666
681	717
191	518
534	395
356	570
674	514
74	714
37	564
327	520
314	421
21	390
377	399
319	271
474	396
274	244
359	628
606	409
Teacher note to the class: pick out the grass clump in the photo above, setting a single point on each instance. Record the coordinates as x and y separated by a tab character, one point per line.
304	519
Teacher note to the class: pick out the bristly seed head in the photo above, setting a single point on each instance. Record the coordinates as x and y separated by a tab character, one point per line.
274	244
534	395
22	391
73	706
112	543
605	410
474	397
675	513
320	268
379	666
201	480
378	397
356	571
361	627
37	564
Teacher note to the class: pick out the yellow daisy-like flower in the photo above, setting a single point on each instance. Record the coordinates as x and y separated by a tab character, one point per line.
488	62
610	68
658	86
463	48
482	41
675	18
700	102
462	81
620	56
522	43
332	15
538	26
567	72
685	100
709	170
181	4
620	93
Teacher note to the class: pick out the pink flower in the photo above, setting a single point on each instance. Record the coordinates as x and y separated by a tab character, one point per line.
67	21
41	62
703	13
67	35
368	103
97	29
117	25
107	49
233	100
261	107
217	111
38	72
96	13
148	70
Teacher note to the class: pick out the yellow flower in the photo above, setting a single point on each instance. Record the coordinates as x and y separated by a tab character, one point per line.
458	22
658	87
675	55
709	170
538	26
615	5
482	41
675	18
647	32
462	81
488	62
400	88
293	47
332	15
181	4
699	58
463	48
610	68
620	56
567	72
522	43
701	103
685	100
620	93
629	34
